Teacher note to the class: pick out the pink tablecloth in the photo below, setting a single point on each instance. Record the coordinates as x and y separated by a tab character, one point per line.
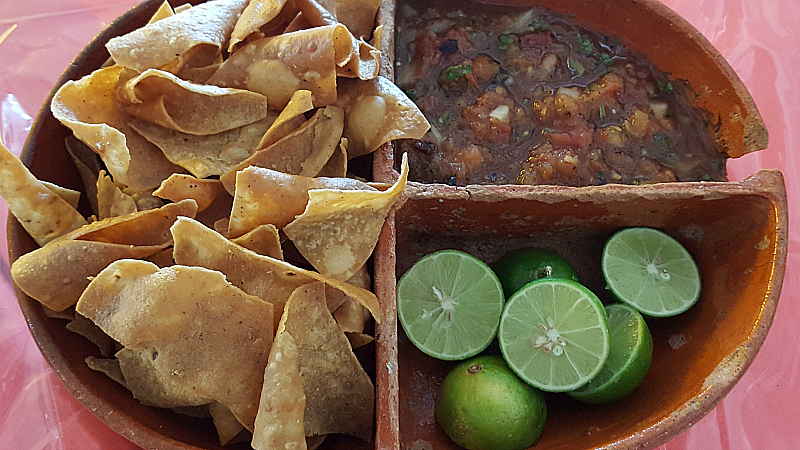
758	37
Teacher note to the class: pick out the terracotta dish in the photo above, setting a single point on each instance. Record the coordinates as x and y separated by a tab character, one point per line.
736	231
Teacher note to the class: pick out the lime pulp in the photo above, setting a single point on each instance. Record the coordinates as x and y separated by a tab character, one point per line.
449	304
554	334
651	271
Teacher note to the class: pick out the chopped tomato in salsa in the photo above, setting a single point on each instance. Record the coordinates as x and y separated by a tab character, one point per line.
531	97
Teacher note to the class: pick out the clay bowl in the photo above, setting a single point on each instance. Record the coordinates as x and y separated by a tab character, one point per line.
737	232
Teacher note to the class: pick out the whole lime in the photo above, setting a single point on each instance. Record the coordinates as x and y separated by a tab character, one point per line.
484	406
519	267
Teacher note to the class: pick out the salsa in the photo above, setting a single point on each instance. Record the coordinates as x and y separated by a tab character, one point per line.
526	96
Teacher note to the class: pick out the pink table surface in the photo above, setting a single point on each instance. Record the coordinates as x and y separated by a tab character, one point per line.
758	37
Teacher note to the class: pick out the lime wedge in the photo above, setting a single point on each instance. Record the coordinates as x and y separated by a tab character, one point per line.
628	361
554	334
651	271
449	304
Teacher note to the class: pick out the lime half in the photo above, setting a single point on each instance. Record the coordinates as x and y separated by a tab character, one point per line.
554	335
651	271
628	361
449	304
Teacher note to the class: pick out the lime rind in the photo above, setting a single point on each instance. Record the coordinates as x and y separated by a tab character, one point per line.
449	304
628	361
651	271
554	334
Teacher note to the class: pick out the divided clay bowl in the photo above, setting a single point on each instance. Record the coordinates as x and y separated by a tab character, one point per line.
735	230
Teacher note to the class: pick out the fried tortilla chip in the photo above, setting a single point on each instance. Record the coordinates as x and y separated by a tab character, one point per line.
279	423
267	66
339	228
152	387
262	18
205	156
265	196
164	99
58	273
71	196
263	239
87	107
340	396
86	328
108	366
88	164
162	258
289	119
376	112
181	187
111	201
228	427
262	276
336	167
195	36
195	324
43	213
363	60
303	152
357	15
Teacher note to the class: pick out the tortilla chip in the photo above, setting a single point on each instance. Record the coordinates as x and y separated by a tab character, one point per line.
336	167
265	196
196	36
88	164
111	201
289	119
303	152
195	324
87	107
181	187
270	279
267	67
109	366
279	423
357	15
377	112
86	328
205	156
58	273
339	228
150	386
164	99
263	239
43	213
67	314
198	75
144	199
257	15
340	396
228	427
162	258
71	196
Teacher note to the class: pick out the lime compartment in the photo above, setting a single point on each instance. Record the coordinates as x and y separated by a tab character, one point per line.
729	228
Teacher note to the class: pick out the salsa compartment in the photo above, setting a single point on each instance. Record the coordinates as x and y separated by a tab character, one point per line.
522	95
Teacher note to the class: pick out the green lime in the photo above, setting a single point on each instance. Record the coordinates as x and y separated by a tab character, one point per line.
628	361
554	334
519	267
484	406
449	304
651	271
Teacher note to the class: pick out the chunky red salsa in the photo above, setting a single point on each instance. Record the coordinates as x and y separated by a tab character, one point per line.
529	97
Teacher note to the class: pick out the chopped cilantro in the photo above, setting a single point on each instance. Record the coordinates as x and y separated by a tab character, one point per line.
505	42
602	110
666	87
539	24
411	94
607	60
457	71
586	45
447	118
576	66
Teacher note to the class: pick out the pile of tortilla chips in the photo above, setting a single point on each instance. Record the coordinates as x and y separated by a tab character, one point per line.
223	270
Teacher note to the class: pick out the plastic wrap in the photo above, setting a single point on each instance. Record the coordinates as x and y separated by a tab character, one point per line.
757	37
